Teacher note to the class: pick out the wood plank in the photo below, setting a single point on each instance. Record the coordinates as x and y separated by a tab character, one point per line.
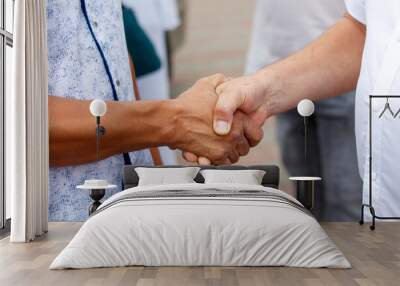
375	257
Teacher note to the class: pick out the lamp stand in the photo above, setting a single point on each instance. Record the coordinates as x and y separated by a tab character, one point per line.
100	131
305	138
96	195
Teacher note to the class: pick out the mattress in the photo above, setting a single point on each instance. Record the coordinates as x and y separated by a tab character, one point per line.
201	225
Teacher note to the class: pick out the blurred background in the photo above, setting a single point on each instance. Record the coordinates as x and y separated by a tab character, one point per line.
218	42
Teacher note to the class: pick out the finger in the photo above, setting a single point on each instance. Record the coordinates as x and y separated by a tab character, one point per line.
237	133
204	161
233	157
227	104
252	132
243	147
190	157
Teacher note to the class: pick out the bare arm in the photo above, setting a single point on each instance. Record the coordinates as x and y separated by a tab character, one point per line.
327	67
129	127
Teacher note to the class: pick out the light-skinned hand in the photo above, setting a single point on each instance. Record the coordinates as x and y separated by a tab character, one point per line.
194	126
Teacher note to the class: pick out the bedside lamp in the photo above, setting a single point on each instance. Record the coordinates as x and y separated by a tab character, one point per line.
98	108
305	108
305	185
97	188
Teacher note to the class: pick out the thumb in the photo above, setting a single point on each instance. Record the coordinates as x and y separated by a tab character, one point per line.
227	104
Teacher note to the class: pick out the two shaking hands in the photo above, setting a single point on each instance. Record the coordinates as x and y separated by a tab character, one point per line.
220	119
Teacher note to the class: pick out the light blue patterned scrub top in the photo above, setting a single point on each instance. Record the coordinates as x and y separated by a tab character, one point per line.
77	71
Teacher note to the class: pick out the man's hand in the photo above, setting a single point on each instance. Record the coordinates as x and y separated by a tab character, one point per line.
194	126
247	94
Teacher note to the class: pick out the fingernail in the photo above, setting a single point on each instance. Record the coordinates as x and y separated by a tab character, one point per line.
221	127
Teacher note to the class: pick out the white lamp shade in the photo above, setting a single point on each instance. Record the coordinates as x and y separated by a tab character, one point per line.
305	107
98	107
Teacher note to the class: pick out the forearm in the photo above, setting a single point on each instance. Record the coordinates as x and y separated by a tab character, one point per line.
327	67
129	127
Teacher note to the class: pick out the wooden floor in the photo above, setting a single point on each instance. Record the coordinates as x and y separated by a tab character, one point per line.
375	257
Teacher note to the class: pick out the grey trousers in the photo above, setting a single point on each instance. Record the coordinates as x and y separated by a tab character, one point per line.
331	155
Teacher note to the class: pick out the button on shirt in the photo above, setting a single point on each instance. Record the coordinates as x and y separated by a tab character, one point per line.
380	75
77	71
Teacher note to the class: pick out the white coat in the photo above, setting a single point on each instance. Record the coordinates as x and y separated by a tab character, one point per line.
380	75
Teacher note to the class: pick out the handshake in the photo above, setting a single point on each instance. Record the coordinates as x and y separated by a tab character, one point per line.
218	119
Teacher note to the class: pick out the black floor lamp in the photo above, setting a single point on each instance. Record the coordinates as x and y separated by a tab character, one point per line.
305	184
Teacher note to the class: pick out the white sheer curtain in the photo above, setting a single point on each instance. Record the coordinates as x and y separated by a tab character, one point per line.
27	128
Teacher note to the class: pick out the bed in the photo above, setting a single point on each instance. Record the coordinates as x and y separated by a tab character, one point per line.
198	224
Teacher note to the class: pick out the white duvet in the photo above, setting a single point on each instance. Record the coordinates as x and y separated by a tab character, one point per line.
200	231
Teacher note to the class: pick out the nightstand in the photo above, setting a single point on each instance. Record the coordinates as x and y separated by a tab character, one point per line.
305	190
97	190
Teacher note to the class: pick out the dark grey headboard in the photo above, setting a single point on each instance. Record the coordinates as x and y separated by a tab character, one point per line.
271	177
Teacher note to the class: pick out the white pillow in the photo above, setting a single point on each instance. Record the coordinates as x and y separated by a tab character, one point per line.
165	176
248	177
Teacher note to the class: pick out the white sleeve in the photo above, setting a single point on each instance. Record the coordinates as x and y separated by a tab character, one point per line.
169	13
356	8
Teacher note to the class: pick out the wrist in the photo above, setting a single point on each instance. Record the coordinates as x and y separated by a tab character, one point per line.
147	124
270	85
171	110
